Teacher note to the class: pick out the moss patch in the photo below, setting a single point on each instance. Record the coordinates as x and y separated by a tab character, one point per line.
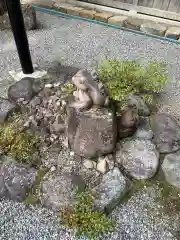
33	195
84	219
17	143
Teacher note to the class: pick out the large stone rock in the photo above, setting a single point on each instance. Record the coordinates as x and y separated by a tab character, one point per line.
112	188
138	157
58	190
15	179
91	133
23	89
166	133
6	108
29	15
171	169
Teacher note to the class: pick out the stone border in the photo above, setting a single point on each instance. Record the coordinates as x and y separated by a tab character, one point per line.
128	19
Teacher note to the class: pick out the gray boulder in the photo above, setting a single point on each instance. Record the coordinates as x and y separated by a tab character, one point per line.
171	169
58	190
91	133
139	158
29	15
112	188
137	103
23	89
144	130
166	133
15	179
6	108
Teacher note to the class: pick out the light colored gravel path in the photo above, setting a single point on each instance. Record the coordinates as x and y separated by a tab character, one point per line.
81	44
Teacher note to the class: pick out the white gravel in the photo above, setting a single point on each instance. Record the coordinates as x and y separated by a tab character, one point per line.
81	44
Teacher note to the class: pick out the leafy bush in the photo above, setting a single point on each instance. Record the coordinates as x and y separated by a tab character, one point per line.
125	77
87	222
18	144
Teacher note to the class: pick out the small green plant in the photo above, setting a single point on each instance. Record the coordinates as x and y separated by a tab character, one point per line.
125	77
84	219
67	89
18	144
32	196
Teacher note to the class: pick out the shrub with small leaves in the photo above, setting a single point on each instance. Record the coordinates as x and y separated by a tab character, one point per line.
86	221
125	77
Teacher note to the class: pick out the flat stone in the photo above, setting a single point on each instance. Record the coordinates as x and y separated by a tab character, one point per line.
102	166
117	20
102	16
110	191
29	16
153	28
85	13
15	179
138	157
173	32
171	169
133	23
74	11
91	133
6	108
22	89
166	133
59	190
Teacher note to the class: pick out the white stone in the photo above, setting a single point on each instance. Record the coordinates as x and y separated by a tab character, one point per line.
71	153
88	164
57	84
102	165
48	85
58	103
63	103
53	168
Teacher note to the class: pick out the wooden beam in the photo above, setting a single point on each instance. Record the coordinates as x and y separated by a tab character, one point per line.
140	9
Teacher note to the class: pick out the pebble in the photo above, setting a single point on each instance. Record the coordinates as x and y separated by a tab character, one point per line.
48	85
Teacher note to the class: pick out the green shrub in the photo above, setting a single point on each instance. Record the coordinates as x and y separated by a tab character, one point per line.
18	144
125	77
67	89
84	220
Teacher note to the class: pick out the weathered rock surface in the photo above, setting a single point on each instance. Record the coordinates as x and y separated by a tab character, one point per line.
58	190
15	179
127	124
6	108
23	89
111	189
171	169
139	158
29	18
153	28
166	133
91	133
144	130
137	103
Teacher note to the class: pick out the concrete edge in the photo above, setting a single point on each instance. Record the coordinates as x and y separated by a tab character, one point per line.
127	19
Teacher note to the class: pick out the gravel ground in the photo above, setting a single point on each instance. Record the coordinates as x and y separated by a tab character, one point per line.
82	44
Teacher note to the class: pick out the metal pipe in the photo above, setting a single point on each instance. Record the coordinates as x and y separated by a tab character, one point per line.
20	36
